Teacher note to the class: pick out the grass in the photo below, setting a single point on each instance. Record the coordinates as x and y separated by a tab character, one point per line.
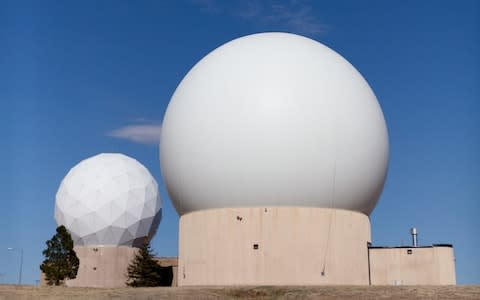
261	292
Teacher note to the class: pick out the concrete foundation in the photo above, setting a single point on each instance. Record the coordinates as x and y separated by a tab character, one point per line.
432	265
102	266
273	246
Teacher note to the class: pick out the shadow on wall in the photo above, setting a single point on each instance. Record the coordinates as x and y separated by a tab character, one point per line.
167	276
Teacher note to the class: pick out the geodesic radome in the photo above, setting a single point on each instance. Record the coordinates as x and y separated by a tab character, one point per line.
109	199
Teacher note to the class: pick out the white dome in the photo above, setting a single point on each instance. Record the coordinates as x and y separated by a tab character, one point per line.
109	199
274	119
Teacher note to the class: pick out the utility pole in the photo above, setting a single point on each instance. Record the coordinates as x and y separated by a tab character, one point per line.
21	262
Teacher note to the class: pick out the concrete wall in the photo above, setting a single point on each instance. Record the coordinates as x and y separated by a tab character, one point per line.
423	266
217	247
102	266
170	262
111	265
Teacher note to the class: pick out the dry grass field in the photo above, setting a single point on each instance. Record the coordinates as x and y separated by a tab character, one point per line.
317	292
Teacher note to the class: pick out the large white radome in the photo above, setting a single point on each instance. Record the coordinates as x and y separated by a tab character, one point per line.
109	199
274	119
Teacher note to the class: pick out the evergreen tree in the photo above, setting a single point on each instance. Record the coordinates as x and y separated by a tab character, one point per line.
61	261
144	270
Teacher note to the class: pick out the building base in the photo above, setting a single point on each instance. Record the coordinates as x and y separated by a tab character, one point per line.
426	265
273	246
102	266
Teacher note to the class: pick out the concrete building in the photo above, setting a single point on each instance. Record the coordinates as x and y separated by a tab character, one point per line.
98	261
425	265
274	151
300	246
102	266
273	246
110	205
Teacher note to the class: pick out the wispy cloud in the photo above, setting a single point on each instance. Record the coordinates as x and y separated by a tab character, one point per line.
295	15
148	134
298	16
210	6
250	9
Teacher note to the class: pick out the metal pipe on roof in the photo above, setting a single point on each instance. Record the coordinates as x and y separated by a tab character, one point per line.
414	233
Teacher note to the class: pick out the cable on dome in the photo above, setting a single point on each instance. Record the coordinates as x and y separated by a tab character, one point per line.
330	221
332	212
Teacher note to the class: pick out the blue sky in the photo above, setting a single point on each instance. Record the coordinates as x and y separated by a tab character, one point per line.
79	78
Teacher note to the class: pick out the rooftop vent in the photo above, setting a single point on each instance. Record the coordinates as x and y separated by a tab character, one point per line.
414	233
